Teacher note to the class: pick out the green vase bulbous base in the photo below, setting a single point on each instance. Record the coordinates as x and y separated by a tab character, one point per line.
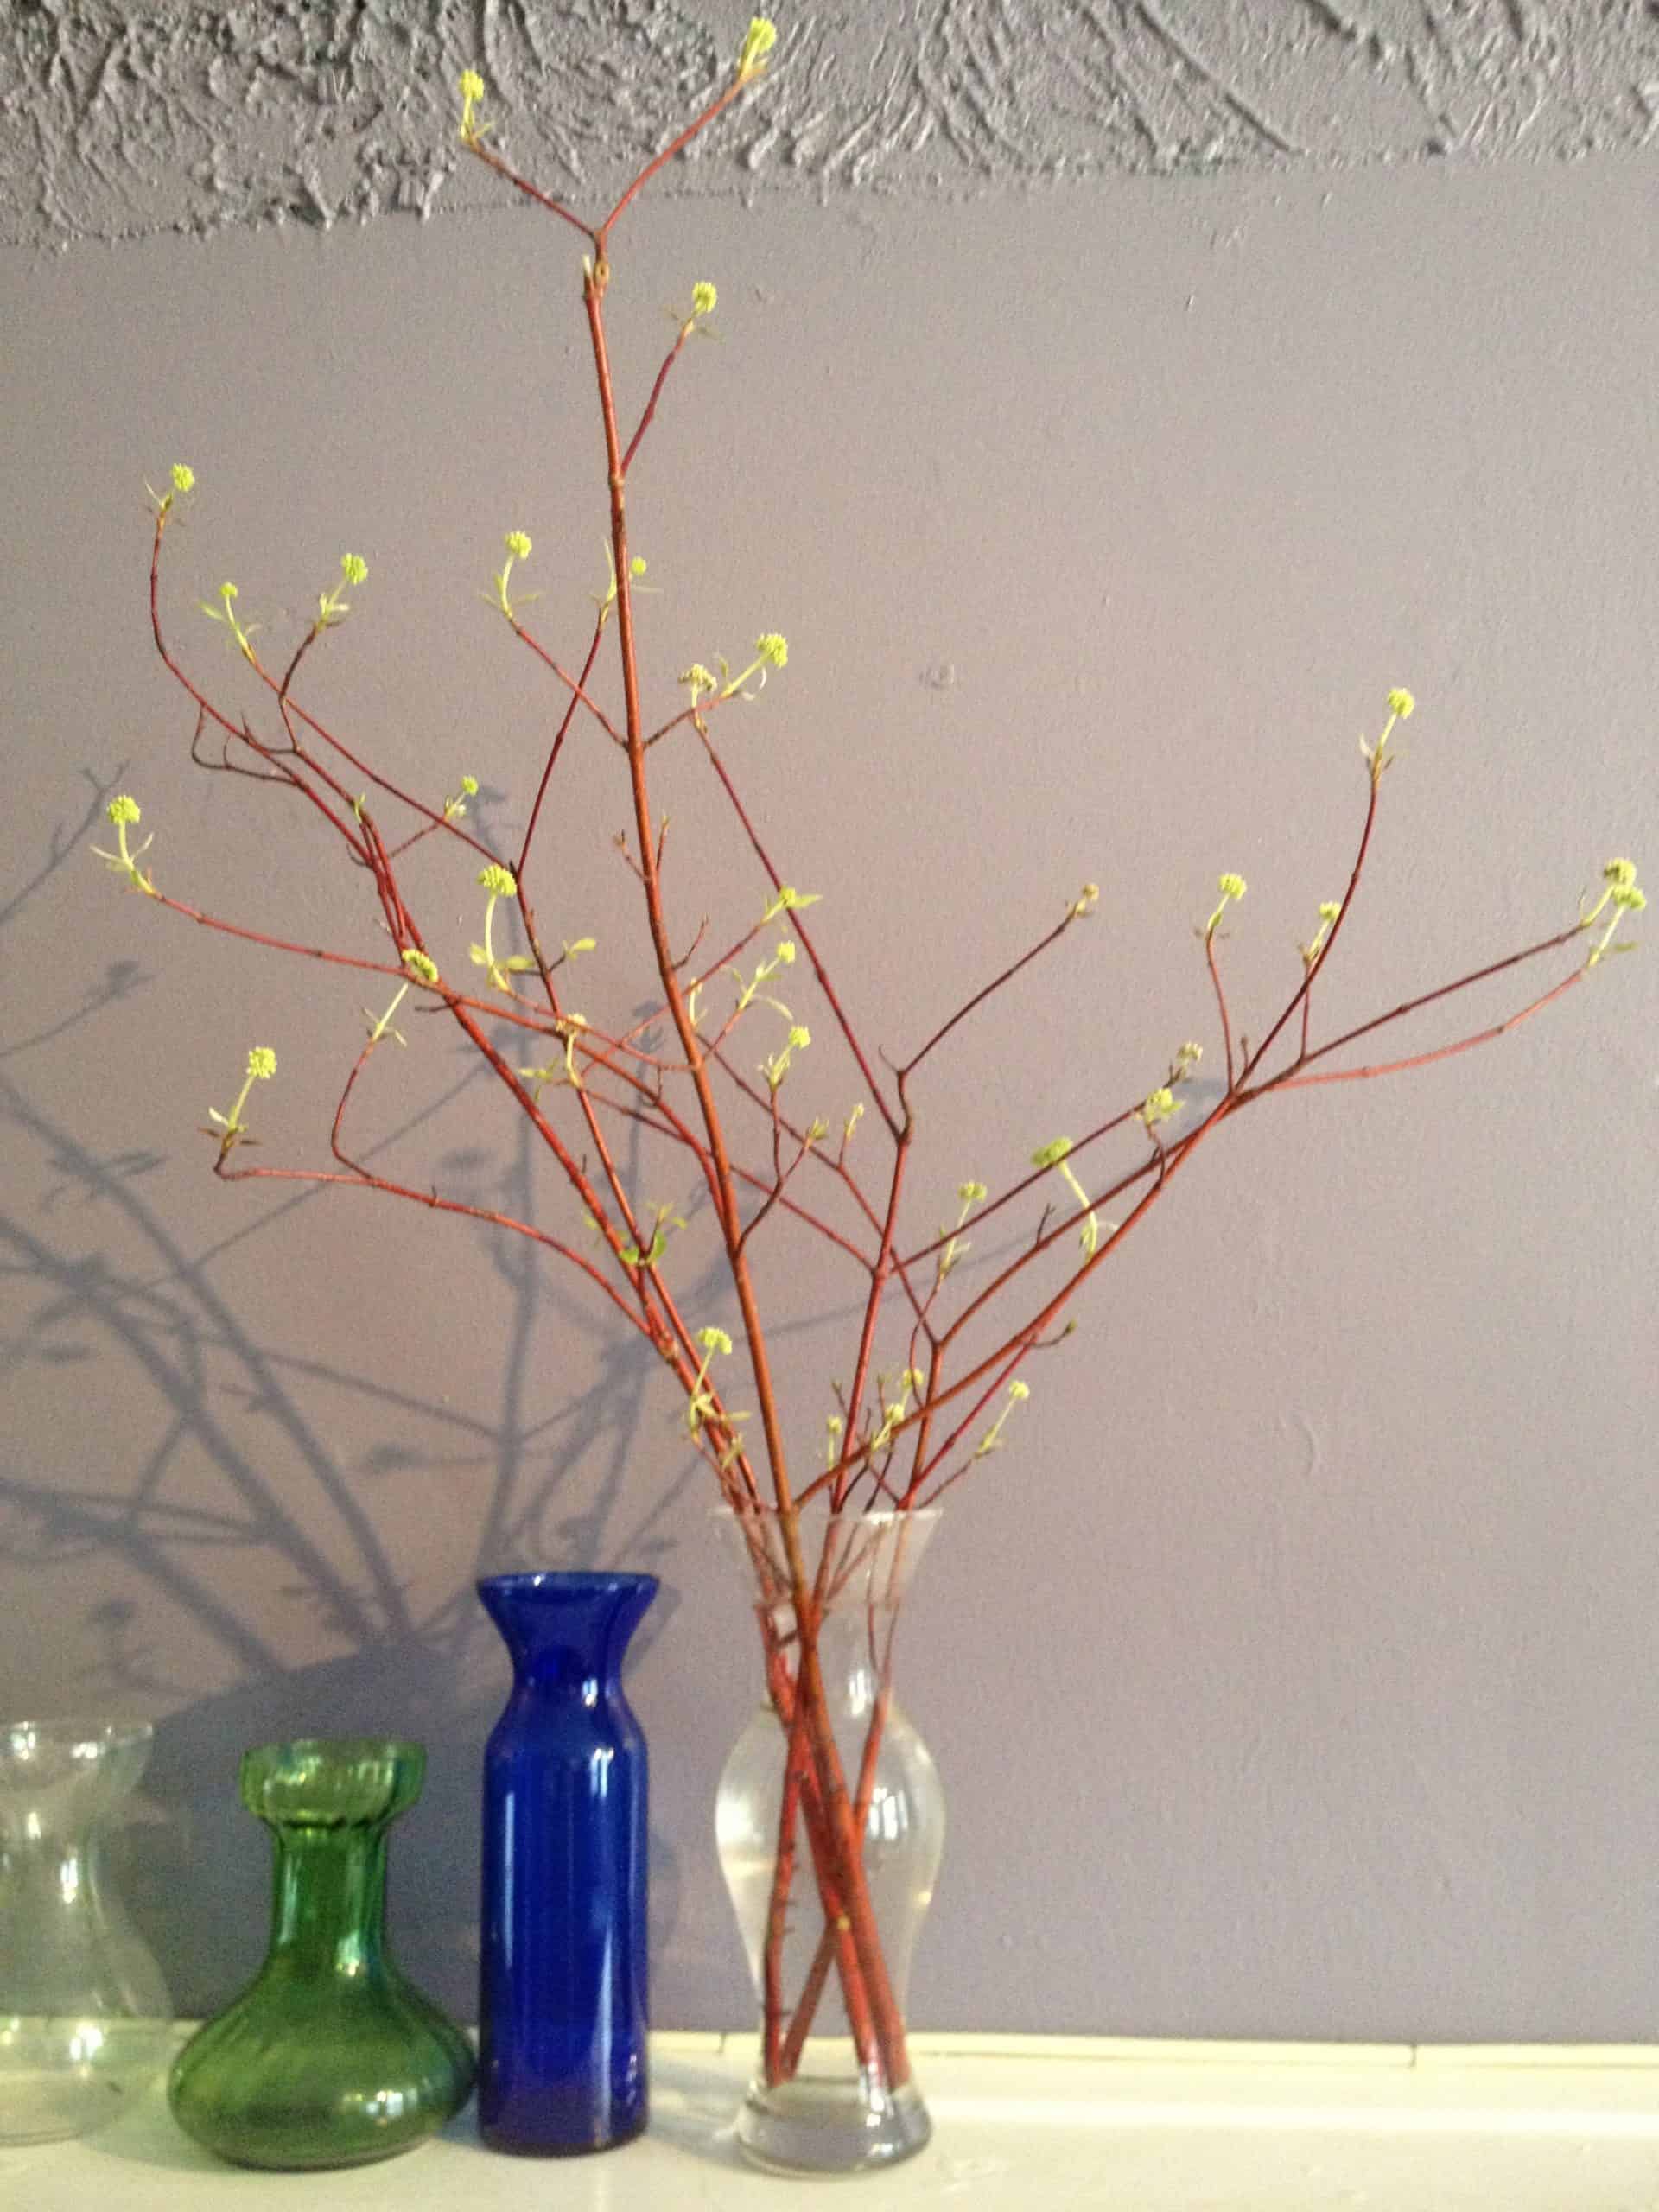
330	2058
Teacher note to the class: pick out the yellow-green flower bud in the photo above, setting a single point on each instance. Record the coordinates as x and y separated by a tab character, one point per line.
713	1339
773	648
122	809
971	1193
800	1037
419	964
1627	895
698	678
788	898
1401	704
1051	1155
227	593
786	952
1159	1106
499	881
184	477
758	42
1621	874
469	785
518	542
1231	886
354	568
1331	909
703	299
471	84
1018	1390
261	1063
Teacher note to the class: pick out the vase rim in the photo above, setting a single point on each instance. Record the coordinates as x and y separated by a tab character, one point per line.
72	1730
338	1747
578	1581
877	1515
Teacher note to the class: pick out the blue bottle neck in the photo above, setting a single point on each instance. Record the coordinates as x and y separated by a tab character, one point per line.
568	1633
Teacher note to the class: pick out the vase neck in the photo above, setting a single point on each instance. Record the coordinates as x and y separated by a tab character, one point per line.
855	1659
43	1876
328	1906
568	1633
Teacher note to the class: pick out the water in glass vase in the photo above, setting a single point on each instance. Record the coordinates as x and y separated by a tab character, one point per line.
829	1823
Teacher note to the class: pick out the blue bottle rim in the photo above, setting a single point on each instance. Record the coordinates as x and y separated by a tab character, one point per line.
590	1581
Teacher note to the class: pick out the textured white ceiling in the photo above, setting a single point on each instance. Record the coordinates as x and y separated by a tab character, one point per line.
124	120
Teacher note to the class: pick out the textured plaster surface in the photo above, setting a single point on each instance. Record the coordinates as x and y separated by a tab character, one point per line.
122	120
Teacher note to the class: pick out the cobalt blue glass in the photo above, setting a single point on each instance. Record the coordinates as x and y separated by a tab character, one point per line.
563	1977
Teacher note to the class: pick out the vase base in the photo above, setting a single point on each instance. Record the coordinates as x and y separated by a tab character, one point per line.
512	2143
55	2106
813	2125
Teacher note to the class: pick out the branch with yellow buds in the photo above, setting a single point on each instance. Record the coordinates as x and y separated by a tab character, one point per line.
1623	896
952	1333
1055	1154
472	92
122	812
969	1195
500	883
225	612
771	651
183	479
757	42
519	549
992	1439
777	1067
232	1129
331	608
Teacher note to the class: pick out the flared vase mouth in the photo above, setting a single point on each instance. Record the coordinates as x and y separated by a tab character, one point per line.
332	1781
73	1734
562	1627
814	1515
71	1761
573	1582
854	1559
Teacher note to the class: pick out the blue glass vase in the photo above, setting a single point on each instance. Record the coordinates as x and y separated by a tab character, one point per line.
563	1976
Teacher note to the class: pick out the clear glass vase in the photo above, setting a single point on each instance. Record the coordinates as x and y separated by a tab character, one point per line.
330	2058
829	1823
85	2021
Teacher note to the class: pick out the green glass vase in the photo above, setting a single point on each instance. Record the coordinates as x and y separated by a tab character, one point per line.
330	2058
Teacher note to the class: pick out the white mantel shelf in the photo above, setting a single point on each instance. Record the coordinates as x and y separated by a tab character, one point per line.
1024	2124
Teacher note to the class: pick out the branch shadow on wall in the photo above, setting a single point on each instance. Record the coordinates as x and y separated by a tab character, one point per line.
196	1876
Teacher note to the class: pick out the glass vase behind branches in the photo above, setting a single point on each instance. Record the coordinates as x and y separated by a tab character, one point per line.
832	2091
86	2020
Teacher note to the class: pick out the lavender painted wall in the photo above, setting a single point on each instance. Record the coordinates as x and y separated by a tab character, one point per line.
1291	1672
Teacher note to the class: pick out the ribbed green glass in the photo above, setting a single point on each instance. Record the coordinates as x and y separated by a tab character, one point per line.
330	2058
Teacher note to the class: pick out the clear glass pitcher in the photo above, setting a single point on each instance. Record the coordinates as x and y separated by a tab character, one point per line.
85	2016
